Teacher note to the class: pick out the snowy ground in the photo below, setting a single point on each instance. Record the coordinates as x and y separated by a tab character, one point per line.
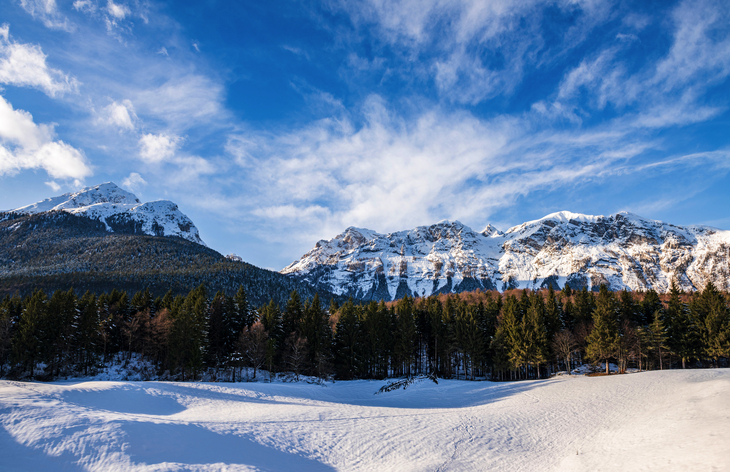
662	421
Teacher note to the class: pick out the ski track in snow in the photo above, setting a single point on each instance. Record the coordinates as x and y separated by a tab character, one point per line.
650	421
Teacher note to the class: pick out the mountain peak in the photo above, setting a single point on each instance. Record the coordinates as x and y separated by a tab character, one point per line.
107	192
115	207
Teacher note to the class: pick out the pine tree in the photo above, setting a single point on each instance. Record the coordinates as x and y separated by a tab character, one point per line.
87	332
510	337
347	341
318	332
683	337
604	336
218	331
293	314
27	342
535	338
188	332
656	337
649	306
404	335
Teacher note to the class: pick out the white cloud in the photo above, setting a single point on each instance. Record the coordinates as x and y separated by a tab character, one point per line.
47	12
155	148
120	114
134	182
390	173
25	145
84	6
54	186
163	51
117	10
25	65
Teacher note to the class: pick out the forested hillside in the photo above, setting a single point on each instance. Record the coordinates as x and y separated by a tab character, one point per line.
59	250
487	335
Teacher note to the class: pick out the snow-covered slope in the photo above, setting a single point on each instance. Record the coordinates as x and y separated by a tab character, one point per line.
622	250
653	421
116	207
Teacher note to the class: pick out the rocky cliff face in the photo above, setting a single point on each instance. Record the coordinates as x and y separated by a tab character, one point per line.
119	211
622	251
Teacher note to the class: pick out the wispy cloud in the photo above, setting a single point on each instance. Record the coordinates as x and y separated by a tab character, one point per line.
47	12
471	50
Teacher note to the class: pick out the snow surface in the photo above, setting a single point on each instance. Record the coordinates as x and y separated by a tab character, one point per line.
100	202
651	421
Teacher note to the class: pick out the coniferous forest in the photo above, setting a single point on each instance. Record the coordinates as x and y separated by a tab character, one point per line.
476	335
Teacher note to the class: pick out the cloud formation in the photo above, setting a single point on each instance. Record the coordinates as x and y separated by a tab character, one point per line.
26	145
155	148
470	49
120	114
24	65
134	182
47	12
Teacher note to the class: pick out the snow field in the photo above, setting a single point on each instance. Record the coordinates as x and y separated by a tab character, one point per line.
663	421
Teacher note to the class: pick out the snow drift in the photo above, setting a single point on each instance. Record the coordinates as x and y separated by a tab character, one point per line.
652	421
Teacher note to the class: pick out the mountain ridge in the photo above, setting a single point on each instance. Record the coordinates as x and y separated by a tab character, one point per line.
623	250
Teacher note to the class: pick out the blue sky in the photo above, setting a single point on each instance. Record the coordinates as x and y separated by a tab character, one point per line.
276	124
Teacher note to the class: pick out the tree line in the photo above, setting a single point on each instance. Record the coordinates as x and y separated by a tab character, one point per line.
516	335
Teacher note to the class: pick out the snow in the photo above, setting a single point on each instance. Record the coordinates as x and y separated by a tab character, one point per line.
623	250
106	200
650	421
560	216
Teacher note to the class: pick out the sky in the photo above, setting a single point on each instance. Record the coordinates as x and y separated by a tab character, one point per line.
276	124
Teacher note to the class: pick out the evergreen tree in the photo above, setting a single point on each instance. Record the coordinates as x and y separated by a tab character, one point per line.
656	337
318	332
293	314
404	335
604	336
649	306
86	340
27	342
683	336
348	338
535	338
218	330
188	333
628	310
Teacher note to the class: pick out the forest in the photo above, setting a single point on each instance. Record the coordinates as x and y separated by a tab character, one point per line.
519	334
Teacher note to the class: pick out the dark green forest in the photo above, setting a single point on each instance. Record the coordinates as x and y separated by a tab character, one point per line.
476	335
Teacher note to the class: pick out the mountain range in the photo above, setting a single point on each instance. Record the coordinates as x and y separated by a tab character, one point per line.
621	251
104	237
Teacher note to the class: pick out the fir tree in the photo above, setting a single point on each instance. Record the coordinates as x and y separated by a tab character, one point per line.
604	336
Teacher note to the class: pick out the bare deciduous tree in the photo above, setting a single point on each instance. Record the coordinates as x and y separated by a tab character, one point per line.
564	344
252	344
296	353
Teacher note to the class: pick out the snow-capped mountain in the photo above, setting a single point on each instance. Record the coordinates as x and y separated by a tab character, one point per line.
622	250
119	209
